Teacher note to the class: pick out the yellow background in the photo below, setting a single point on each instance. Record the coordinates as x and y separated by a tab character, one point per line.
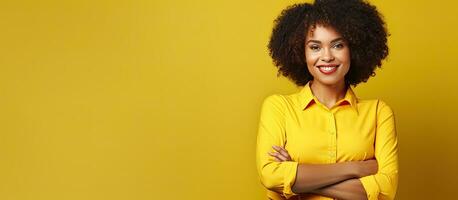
161	99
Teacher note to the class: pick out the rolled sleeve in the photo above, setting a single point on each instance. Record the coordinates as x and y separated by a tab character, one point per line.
370	185
275	176
383	185
280	177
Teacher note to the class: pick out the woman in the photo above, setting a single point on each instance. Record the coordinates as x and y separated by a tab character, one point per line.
323	142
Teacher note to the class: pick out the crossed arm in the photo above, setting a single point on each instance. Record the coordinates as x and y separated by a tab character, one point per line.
346	180
337	180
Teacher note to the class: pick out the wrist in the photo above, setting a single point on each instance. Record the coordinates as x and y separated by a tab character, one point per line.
354	169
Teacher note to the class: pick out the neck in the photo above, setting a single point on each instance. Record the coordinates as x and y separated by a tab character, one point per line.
328	94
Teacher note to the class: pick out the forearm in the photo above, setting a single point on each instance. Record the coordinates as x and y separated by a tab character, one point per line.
310	177
348	189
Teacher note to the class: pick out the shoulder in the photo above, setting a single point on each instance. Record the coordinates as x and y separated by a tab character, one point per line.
384	110
378	107
378	104
284	103
273	107
274	100
282	100
382	107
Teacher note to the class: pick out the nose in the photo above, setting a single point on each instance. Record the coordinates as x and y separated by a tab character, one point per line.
327	56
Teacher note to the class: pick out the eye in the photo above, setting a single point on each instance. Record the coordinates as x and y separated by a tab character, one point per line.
314	47
339	46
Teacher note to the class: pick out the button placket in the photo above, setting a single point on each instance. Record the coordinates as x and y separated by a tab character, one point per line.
333	138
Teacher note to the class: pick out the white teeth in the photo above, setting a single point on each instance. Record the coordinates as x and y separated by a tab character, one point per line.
327	68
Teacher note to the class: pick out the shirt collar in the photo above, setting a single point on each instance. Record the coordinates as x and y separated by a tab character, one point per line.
306	98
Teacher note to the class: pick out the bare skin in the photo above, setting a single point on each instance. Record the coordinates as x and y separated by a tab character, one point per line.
326	50
325	46
339	180
349	189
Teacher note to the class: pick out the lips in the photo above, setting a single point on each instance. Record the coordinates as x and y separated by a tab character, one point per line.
328	69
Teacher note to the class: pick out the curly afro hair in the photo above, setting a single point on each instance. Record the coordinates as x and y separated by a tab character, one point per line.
359	22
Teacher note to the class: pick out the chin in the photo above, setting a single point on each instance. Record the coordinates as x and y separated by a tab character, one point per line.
329	81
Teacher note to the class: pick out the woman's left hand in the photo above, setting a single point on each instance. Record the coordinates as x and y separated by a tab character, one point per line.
281	155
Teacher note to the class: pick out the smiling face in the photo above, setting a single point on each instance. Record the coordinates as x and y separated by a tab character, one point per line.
327	55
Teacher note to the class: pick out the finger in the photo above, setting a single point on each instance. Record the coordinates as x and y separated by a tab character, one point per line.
278	156
282	157
277	148
283	152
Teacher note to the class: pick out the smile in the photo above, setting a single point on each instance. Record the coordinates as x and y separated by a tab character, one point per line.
327	69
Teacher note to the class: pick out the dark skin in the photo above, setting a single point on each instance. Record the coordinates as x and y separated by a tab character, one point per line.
339	180
358	22
327	50
367	36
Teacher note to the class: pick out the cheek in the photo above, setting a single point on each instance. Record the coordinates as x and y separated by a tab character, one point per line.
344	56
346	61
310	58
310	65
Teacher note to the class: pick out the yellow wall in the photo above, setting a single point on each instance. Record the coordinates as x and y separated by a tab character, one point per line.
160	99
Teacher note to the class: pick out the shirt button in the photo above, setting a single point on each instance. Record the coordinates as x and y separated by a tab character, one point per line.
332	132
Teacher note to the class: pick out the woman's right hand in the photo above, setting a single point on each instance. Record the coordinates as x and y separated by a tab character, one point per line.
366	167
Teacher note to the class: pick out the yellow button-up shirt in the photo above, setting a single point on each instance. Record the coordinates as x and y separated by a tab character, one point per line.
352	130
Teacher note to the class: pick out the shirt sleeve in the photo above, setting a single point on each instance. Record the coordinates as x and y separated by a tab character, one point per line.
274	175
383	185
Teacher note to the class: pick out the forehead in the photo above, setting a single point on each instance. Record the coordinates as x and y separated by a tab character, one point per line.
322	33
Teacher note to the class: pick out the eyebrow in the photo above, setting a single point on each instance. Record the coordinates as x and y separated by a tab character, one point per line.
317	41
